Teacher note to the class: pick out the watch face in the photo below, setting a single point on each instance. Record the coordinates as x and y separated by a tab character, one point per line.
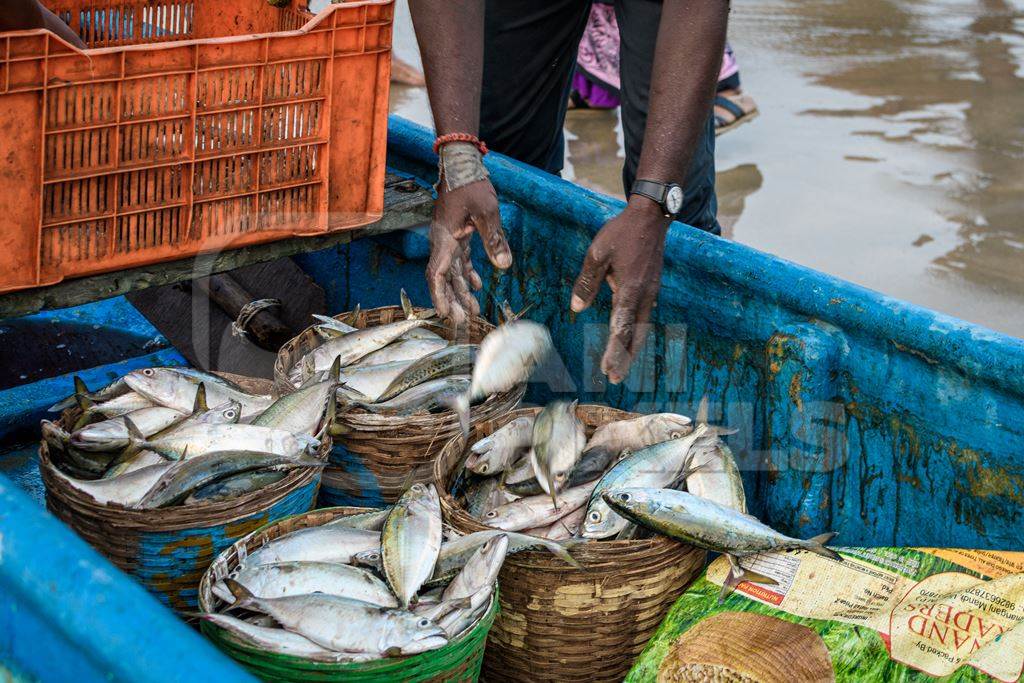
674	199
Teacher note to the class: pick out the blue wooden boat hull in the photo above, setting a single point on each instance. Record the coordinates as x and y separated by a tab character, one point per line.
889	423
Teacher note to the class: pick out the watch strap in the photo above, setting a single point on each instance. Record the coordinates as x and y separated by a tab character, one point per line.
654	191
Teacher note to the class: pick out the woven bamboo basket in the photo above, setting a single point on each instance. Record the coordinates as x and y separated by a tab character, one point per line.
378	457
458	661
561	623
168	549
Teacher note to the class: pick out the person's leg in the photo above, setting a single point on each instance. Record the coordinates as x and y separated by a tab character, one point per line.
732	106
529	58
638	27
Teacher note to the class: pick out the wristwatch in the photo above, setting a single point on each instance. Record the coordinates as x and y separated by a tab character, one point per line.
668	195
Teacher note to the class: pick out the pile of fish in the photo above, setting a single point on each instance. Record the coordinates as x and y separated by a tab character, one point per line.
367	586
151	438
545	478
404	368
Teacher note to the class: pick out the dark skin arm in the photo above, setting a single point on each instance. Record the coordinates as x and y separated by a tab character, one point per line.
450	34
628	251
20	15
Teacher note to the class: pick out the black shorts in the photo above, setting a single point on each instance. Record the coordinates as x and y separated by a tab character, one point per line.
529	59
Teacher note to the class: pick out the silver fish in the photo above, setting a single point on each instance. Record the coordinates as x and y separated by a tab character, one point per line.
115	407
186	476
125	490
403	349
353	346
451	360
480	571
438	393
371	521
175	389
411	540
520	471
299	578
714	475
276	640
497	452
235	486
705	524
368	382
199	439
638	433
328	543
112	434
106	393
534	511
655	466
346	625
507	357
301	411
558	440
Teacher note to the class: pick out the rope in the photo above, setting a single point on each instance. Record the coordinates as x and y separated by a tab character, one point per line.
248	312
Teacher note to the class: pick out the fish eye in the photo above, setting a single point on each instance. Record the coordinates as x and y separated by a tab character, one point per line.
624	497
418	488
594	516
491	514
560	476
148	372
423	623
372	556
676	434
483	468
230	414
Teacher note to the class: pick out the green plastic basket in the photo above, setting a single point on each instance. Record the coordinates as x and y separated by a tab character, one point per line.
459	660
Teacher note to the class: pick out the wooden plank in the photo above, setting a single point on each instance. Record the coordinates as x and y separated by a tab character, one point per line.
406	205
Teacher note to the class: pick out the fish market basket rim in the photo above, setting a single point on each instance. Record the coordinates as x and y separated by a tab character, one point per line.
177	518
459	649
594	555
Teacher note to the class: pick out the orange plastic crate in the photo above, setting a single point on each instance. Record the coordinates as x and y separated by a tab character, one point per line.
188	126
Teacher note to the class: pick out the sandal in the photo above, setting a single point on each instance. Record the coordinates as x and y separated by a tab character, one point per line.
737	107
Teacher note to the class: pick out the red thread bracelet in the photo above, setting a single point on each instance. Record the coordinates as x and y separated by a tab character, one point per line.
459	137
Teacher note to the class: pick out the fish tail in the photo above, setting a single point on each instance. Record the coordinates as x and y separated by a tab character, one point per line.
406	305
817	545
243	596
84	402
460	405
559	551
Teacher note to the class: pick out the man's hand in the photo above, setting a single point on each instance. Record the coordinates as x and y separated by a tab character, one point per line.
628	252
450	274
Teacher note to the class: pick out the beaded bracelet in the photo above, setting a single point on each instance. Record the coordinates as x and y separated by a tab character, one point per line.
460	137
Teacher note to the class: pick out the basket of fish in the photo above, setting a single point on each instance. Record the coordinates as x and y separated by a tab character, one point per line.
164	468
406	385
541	473
356	594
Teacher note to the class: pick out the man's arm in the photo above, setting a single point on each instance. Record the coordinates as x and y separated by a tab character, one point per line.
628	251
451	38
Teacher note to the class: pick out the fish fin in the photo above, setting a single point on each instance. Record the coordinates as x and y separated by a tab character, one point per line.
754	577
80	387
136	440
200	405
330	415
243	596
334	374
817	543
407	308
84	402
460	406
732	579
702	411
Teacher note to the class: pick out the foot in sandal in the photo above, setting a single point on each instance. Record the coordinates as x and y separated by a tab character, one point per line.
733	108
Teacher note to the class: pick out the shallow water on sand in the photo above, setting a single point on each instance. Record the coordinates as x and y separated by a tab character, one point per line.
889	150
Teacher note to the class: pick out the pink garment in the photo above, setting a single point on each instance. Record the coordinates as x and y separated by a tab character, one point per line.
729	64
598	56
